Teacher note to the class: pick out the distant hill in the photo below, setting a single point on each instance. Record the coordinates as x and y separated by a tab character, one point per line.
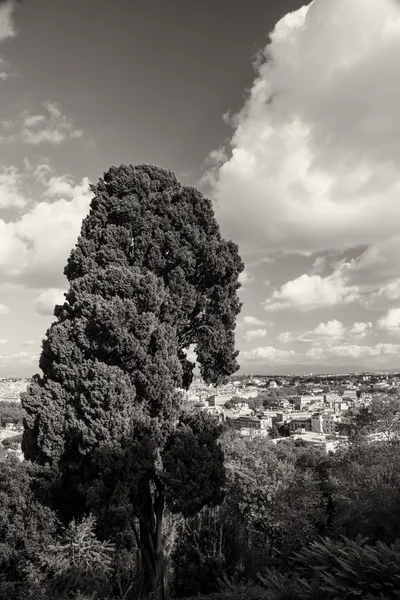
314	369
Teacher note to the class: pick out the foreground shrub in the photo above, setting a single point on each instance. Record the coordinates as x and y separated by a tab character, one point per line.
331	570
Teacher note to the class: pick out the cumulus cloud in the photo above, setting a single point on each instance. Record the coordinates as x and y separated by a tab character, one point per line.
3	342
287	337
320	354
317	143
330	330
254	334
245	279
312	291
268	354
372	279
386	294
29	343
253	321
323	332
44	304
10	188
327	333
360	330
35	246
353	351
390	322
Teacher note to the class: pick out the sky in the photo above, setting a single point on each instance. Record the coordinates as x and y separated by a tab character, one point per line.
286	116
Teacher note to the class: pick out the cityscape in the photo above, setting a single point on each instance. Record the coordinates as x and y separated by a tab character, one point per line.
311	408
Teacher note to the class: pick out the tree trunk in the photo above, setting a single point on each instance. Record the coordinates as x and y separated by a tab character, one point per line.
150	539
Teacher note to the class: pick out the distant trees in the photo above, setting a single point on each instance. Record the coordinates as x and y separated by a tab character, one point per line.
10	412
263	400
149	276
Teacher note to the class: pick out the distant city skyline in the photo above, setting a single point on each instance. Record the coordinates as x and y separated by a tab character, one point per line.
285	114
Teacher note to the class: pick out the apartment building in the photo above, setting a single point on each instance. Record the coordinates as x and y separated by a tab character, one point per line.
324	423
248	422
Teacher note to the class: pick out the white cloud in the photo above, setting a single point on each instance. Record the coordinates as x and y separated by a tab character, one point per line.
4	310
287	337
390	323
245	278
318	265
60	186
7	30
323	332
45	303
34	248
23	358
29	343
317	143
312	291
3	342
10	188
320	354
360	330
268	354
253	321
330	330
353	351
54	127
254	334
386	293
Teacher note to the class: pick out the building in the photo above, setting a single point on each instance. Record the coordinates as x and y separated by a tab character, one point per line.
324	423
332	398
306	399
320	440
251	423
218	399
350	394
300	423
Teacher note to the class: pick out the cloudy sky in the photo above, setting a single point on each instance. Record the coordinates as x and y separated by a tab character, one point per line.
286	116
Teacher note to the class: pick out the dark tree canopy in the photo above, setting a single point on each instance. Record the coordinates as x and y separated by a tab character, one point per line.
149	276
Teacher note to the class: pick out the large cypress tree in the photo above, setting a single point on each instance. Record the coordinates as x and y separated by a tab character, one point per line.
149	276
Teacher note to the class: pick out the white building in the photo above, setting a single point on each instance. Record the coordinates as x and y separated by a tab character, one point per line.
219	399
324	423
